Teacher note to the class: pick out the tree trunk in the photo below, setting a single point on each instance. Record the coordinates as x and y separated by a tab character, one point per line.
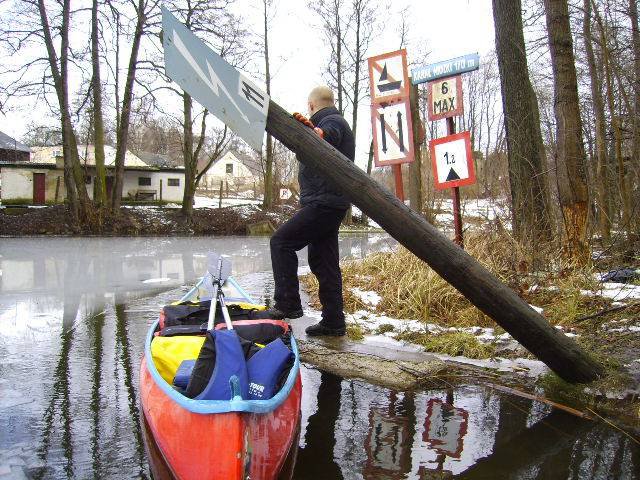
187	155
635	154
457	267
100	188
268	168
526	156
76	192
415	168
604	219
122	135
569	156
617	131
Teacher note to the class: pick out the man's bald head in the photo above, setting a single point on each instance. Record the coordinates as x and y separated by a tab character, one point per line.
319	98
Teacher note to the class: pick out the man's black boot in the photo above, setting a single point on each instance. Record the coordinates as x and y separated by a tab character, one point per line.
278	314
320	330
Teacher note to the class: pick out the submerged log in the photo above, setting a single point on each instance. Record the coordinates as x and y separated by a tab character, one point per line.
451	262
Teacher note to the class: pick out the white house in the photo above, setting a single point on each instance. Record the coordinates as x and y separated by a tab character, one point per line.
229	169
41	180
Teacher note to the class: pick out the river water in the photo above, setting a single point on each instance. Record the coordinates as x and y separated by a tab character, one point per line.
73	317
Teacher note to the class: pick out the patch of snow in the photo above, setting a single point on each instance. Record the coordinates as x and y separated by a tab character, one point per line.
206	202
537	309
157	280
615	291
367	297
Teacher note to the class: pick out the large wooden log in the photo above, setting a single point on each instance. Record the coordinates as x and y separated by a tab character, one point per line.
451	262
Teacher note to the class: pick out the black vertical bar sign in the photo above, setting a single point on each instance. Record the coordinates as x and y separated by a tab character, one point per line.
400	136
384	133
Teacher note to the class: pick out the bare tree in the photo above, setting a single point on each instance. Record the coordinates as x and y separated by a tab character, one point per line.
268	200
604	220
100	190
142	10
570	155
527	176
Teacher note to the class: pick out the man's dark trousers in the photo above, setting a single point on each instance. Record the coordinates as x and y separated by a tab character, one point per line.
317	228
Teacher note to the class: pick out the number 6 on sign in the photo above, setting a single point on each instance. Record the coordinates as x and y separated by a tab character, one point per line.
452	161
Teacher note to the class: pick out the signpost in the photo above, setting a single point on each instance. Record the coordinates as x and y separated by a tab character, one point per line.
391	113
216	85
451	156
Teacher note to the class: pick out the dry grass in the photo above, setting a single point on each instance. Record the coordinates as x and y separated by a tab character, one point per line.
410	289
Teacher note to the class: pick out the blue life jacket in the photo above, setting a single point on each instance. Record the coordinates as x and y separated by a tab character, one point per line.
229	378
265	367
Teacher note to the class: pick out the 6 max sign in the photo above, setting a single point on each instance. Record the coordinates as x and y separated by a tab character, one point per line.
445	98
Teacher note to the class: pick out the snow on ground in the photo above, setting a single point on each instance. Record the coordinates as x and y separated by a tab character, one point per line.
615	291
367	297
206	202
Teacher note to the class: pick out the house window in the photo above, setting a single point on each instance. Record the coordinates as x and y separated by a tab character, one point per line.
144	181
87	179
229	168
173	182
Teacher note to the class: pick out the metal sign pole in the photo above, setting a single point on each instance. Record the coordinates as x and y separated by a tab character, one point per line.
397	175
455	196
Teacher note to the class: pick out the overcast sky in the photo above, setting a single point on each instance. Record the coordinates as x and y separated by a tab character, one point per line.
446	29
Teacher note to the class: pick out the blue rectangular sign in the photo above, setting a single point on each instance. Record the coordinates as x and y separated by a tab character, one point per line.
447	68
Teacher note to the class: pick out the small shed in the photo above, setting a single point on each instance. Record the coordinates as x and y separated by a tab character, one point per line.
13	151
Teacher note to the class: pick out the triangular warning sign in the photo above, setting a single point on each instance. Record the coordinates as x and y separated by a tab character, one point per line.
452	176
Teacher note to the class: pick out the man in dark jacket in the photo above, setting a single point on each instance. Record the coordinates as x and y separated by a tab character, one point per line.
315	225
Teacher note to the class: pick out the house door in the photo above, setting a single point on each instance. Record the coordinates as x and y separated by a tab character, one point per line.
38	188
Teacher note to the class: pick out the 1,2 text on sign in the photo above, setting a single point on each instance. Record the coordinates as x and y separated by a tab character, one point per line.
392	133
445	98
388	78
452	161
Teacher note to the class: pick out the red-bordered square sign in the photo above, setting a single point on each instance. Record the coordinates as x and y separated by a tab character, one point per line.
445	427
389	77
392	133
445	98
452	161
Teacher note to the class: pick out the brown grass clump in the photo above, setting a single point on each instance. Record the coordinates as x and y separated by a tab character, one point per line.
410	289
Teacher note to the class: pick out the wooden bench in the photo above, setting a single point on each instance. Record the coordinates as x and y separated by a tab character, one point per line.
142	194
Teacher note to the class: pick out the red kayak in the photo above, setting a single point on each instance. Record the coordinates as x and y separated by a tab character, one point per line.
224	438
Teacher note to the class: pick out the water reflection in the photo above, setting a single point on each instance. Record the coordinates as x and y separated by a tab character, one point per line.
356	430
73	316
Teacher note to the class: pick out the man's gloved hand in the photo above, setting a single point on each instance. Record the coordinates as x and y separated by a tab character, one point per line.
305	121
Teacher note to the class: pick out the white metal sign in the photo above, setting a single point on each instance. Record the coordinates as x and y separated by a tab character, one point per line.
452	161
216	85
285	194
392	133
388	77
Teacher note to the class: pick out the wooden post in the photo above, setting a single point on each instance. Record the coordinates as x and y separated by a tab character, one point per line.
397	175
160	190
455	196
415	167
220	197
451	262
57	188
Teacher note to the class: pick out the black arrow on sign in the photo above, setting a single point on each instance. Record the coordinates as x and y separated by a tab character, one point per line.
252	94
400	136
384	134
